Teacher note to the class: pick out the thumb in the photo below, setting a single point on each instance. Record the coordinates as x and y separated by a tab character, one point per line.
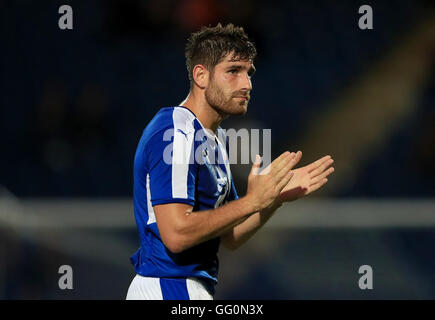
256	166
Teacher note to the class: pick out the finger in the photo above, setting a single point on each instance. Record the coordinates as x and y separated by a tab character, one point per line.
287	168
281	162
321	168
321	176
318	163
274	163
256	166
284	181
323	162
281	174
296	159
318	185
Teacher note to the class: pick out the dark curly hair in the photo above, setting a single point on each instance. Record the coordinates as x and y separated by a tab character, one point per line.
211	44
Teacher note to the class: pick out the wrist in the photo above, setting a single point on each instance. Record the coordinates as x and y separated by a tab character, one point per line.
250	204
273	207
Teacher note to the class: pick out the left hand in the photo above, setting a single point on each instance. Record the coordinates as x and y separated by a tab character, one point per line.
307	179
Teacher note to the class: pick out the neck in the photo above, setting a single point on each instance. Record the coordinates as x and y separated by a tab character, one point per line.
206	114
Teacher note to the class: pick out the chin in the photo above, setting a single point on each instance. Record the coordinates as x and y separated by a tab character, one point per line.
243	108
239	109
234	109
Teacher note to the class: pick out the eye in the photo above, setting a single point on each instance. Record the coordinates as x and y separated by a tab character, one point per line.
233	71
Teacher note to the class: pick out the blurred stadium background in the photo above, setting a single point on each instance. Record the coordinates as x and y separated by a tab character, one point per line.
74	104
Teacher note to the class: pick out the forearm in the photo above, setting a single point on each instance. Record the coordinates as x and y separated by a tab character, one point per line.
200	226
242	232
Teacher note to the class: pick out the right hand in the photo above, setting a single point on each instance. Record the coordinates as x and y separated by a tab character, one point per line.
265	186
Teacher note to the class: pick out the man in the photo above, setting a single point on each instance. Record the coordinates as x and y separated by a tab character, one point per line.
184	209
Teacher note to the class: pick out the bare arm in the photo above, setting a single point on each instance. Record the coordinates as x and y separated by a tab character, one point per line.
180	228
305	180
242	232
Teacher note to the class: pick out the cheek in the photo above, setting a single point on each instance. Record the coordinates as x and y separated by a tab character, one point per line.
229	84
223	86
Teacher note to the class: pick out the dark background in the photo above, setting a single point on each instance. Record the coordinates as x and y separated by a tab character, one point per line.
74	104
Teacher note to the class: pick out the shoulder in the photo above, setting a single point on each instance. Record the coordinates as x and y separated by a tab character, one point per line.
183	118
169	119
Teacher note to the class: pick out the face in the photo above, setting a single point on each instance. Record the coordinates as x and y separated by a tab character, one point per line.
229	87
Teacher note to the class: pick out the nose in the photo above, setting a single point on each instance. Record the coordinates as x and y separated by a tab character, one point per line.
247	84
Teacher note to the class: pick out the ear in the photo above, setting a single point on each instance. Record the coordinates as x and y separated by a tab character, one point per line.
200	76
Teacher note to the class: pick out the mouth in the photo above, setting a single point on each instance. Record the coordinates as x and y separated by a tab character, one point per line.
242	97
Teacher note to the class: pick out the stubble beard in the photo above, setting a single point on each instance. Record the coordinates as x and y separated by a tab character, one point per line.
224	104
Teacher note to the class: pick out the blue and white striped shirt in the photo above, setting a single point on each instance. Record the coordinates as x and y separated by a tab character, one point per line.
178	161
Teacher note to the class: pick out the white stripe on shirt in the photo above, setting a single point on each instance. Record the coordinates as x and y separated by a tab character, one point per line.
182	149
